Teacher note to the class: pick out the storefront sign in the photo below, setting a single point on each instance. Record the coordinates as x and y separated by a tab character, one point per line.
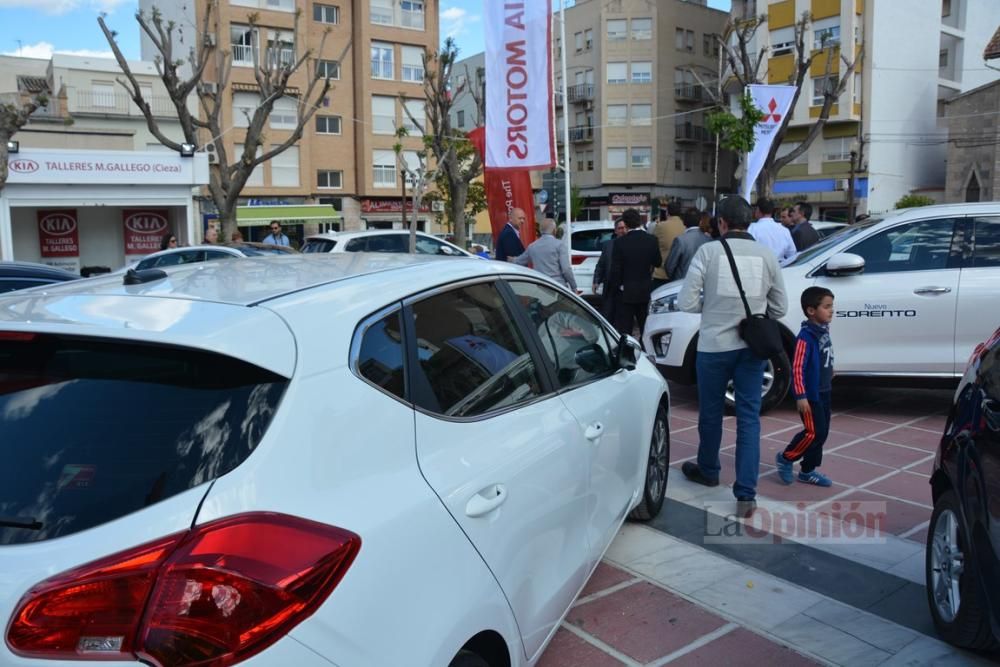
144	229
391	206
41	166
629	199
59	238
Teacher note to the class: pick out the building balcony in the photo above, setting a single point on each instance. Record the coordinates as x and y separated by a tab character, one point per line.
581	134
583	92
687	132
105	103
244	55
690	92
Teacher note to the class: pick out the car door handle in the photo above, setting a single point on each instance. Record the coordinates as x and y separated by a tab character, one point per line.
932	290
486	501
594	432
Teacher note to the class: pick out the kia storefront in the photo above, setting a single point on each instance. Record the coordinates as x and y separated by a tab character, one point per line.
78	210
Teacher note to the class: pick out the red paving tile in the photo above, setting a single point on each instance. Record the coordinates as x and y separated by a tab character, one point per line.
857	426
605	576
644	621
895	516
935	423
912	437
678	423
568	650
906	485
882	453
771	487
850	472
742	647
924	468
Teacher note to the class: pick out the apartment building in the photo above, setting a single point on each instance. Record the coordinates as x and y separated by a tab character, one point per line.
635	100
345	158
917	55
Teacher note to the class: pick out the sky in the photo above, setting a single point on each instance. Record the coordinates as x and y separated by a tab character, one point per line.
37	28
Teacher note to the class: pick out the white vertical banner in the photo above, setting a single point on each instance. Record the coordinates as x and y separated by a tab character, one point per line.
519	84
775	102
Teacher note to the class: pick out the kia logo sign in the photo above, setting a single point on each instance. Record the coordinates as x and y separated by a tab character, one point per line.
58	224
23	166
146	223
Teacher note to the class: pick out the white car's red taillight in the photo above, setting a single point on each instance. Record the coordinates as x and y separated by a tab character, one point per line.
578	259
212	596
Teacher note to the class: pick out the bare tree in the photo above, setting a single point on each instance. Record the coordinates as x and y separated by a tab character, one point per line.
457	163
419	177
744	65
272	75
14	114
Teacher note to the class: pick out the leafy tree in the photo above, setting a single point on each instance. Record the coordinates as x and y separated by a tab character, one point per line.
913	201
186	75
14	114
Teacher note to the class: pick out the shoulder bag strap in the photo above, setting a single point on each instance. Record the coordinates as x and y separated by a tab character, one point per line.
736	275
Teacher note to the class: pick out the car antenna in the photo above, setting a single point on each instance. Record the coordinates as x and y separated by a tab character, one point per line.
140	276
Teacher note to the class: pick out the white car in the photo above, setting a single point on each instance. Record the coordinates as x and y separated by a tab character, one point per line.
381	240
913	295
346	459
586	240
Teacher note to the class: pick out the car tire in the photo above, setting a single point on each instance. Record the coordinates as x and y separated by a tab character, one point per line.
468	659
654	488
777	380
956	601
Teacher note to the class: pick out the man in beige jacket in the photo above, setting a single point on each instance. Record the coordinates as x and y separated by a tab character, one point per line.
665	231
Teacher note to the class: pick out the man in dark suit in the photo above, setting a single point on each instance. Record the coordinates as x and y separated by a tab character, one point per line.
633	258
509	245
803	233
603	271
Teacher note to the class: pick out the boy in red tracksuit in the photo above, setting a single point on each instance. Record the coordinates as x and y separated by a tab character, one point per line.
812	377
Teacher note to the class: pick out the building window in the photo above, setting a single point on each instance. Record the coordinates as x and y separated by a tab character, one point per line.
684	40
411	160
382	60
826	32
381	12
642	115
328	69
617	30
244	107
945	8
327	124
270	5
943	58
588	39
787	147
414	117
578	41
243	41
326	14
384	169
642	29
413	64
820	85
412	14
710	44
617	115
256	178
782	41
683	160
103	94
617	158
642	157
642	72
460	114
280	48
383	114
837	149
330	180
590	160
284	114
706	158
617	73
285	168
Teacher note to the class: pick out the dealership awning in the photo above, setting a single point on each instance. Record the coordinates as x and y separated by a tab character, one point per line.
250	216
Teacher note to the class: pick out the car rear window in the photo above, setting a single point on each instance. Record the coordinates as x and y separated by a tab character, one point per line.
590	240
95	429
318	245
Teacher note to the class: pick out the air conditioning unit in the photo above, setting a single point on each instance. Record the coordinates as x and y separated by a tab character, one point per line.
209	88
213	157
437	206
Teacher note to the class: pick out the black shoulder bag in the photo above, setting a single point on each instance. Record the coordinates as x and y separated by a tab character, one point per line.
761	334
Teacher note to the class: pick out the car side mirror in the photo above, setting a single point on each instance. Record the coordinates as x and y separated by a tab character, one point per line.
845	264
629	352
592	359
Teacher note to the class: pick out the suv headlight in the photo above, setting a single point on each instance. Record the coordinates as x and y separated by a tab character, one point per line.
665	304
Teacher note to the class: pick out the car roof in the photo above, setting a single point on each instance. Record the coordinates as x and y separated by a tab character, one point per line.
34	270
229	250
598	224
340	236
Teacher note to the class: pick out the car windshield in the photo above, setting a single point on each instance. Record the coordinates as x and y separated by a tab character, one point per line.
318	245
842	234
95	429
590	240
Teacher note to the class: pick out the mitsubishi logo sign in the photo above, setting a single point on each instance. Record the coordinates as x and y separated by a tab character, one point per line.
771	106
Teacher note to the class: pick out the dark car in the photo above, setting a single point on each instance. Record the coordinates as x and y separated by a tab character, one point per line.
21	275
963	541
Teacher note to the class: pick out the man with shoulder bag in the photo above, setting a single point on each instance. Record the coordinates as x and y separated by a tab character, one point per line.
737	287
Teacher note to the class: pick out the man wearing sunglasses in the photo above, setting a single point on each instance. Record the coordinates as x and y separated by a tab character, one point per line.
276	237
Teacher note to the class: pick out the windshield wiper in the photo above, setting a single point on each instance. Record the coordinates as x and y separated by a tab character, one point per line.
27	524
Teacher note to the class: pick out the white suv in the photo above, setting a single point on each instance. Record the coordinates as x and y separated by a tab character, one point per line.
586	240
913	294
380	240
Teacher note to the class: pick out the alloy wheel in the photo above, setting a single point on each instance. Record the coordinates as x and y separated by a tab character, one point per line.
656	471
947	565
765	386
